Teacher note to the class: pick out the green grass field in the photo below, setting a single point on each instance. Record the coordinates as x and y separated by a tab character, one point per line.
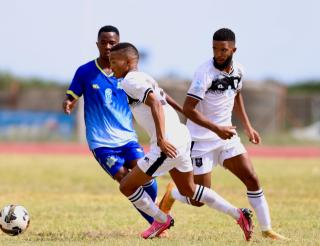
73	202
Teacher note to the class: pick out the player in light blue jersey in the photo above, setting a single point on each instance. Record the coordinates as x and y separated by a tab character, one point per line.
108	119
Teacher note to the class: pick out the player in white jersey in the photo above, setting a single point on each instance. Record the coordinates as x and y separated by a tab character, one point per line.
214	93
169	147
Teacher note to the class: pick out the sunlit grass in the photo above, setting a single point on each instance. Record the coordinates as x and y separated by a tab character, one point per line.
73	202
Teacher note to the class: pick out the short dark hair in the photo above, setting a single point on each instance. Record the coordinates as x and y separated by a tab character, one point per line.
126	47
108	29
224	34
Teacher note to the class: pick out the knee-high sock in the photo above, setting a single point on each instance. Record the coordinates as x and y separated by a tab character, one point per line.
177	196
143	202
151	188
210	198
259	203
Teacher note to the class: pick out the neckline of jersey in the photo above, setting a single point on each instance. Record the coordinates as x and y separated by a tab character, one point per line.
223	72
101	70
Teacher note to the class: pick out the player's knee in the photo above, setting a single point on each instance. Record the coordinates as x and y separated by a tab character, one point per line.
120	175
125	189
252	181
196	204
187	190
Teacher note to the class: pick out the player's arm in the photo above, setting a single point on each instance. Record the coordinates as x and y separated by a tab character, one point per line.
240	111
68	104
159	121
174	104
74	92
189	109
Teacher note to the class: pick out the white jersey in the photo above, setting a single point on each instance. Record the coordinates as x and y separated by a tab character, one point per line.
138	85
215	91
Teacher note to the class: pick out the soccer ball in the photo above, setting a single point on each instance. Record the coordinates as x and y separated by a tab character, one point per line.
14	219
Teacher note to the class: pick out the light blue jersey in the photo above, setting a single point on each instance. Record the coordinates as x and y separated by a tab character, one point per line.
107	114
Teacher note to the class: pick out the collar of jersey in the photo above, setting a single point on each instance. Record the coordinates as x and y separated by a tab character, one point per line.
101	70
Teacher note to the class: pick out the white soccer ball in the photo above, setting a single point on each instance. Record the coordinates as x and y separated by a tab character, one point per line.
14	219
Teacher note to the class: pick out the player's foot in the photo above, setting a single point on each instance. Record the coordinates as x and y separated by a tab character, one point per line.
245	222
156	228
164	234
167	200
273	235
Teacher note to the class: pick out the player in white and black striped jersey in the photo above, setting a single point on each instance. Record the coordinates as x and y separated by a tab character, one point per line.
214	93
169	147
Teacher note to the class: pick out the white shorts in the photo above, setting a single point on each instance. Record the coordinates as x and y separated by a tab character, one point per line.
155	163
205	162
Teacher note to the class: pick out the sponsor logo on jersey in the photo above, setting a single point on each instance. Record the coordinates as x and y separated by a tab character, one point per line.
197	86
95	86
225	84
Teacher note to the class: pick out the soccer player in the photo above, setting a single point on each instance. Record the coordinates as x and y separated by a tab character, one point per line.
169	147
214	93
109	130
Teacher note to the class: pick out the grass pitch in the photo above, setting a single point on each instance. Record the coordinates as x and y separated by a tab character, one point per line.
72	201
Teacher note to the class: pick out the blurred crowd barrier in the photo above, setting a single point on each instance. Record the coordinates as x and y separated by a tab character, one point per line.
33	125
35	112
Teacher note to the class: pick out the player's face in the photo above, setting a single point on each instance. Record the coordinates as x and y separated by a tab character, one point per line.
106	41
223	50
119	64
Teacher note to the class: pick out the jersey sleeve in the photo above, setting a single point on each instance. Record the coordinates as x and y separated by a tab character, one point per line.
136	88
199	85
241	73
76	87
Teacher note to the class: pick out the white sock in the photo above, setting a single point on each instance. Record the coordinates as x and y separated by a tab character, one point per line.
177	196
210	198
144	202
213	200
259	203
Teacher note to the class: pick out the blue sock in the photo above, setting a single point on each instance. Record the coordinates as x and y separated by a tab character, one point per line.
152	189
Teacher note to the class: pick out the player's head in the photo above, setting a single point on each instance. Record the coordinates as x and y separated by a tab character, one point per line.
108	36
224	45
124	57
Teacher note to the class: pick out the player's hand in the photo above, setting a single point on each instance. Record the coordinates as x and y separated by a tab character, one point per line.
167	148
68	105
226	132
253	136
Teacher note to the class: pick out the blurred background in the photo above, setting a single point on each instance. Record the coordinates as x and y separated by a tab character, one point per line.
44	42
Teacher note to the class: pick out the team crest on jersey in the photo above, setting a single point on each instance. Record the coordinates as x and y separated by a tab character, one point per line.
146	159
108	95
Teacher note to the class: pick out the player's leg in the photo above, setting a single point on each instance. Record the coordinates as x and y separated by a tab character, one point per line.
172	194
202	167
151	187
112	162
132	152
187	188
241	166
131	187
